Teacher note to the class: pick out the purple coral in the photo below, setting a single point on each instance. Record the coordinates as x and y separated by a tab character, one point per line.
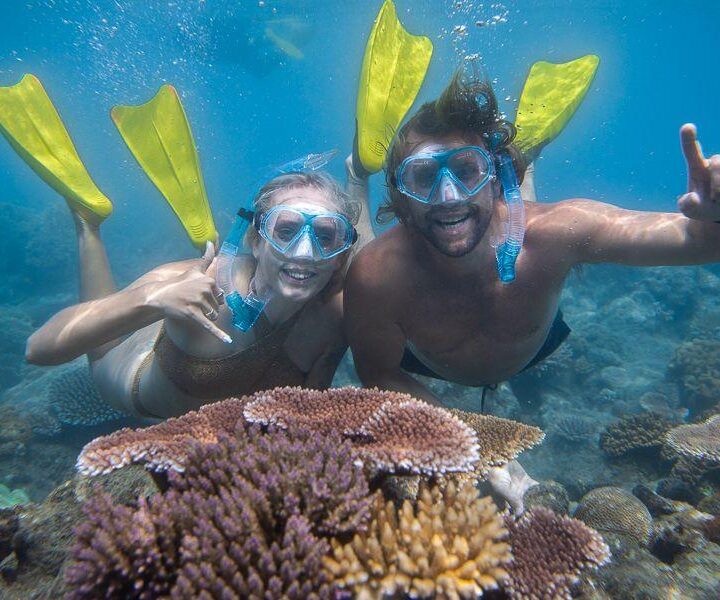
244	519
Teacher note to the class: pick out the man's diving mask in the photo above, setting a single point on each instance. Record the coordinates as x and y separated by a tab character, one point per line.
441	177
297	234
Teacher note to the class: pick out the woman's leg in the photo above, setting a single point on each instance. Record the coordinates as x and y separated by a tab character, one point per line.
96	280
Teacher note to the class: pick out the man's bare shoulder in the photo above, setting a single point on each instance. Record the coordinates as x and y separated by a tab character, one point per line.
381	259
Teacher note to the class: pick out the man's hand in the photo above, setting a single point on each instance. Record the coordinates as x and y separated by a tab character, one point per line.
192	295
702	200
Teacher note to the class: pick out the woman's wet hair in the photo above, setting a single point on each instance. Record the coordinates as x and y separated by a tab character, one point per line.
347	206
468	108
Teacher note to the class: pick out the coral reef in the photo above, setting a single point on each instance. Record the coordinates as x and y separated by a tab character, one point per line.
244	519
699	440
76	401
613	509
398	434
548	494
549	553
451	546
633	433
696	367
500	440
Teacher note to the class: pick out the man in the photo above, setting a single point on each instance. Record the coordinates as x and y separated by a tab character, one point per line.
426	295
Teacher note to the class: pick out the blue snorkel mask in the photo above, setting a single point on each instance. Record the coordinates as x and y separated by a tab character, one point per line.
247	309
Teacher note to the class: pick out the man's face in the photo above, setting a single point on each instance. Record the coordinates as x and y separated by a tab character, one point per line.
453	224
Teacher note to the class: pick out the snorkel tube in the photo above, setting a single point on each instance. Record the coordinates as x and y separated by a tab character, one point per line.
247	309
507	251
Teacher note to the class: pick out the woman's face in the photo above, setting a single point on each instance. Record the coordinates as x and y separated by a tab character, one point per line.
301	276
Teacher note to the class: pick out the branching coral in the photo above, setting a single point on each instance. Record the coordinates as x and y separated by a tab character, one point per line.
451	546
244	519
549	553
500	440
77	402
633	433
614	509
699	440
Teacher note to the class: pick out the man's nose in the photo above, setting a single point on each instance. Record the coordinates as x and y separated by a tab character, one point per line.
447	191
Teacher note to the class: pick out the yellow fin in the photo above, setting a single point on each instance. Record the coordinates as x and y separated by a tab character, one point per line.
393	70
550	97
32	125
158	134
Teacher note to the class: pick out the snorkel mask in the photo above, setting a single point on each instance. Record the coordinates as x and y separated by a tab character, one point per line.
288	231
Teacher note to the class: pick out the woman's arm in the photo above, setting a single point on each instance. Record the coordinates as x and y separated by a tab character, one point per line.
179	290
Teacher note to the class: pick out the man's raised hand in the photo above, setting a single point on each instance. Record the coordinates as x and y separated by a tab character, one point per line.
702	200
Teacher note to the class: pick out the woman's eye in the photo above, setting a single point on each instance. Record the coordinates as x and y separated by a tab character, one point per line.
285	233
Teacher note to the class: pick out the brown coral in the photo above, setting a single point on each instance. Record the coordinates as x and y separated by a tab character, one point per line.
613	509
163	446
451	546
549	553
500	440
699	440
634	433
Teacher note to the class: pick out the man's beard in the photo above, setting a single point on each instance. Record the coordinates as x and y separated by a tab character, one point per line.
475	226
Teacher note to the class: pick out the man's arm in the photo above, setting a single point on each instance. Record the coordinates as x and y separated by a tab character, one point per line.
375	336
603	233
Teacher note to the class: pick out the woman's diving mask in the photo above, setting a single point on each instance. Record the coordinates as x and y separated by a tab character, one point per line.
458	174
291	232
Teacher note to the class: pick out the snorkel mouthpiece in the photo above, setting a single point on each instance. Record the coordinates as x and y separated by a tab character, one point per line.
245	311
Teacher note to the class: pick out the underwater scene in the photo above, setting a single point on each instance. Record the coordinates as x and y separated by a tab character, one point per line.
364	299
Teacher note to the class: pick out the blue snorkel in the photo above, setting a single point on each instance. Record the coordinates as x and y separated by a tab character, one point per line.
247	309
507	251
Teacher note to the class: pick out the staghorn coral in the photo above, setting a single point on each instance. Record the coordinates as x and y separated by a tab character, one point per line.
634	433
77	402
613	509
163	446
500	440
696	367
697	441
451	546
242	520
549	553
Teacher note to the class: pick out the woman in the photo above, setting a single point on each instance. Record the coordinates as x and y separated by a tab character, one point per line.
166	344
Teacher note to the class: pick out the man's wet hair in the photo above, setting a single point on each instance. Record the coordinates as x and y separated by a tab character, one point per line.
467	107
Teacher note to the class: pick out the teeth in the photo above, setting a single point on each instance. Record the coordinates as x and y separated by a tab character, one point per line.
452	222
299	275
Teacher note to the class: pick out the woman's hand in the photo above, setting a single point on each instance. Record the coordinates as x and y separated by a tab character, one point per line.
192	295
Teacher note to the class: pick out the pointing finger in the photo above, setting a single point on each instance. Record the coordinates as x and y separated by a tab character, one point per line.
691	148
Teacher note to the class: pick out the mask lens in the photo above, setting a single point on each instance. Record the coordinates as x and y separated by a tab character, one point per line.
419	176
330	232
282	226
470	168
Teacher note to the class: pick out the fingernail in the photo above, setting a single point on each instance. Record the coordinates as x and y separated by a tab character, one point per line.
227	339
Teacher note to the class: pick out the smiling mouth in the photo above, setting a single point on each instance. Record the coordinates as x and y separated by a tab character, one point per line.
299	275
450	223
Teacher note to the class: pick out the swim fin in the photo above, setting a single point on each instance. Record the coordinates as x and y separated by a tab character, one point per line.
393	70
32	125
158	134
550	97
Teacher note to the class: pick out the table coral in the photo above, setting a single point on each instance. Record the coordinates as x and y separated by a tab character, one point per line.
451	546
549	553
699	440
